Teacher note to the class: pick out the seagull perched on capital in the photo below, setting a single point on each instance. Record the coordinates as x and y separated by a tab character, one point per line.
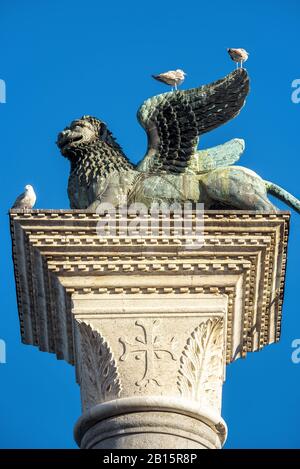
27	199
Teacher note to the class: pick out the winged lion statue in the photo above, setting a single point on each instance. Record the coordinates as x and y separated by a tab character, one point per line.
173	169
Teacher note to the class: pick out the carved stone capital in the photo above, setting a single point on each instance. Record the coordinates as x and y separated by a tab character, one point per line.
149	324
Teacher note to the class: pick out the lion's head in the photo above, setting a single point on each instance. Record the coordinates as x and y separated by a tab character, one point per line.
82	133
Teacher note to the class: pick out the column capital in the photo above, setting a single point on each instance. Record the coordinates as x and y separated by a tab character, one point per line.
148	323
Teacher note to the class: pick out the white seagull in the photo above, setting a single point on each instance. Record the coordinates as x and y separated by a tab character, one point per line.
173	78
27	199
238	55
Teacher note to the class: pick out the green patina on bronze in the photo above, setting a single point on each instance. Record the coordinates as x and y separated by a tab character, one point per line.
173	169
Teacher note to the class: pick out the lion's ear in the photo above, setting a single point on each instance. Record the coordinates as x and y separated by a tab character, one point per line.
103	131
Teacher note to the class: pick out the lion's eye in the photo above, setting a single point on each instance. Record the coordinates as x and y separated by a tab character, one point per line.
76	127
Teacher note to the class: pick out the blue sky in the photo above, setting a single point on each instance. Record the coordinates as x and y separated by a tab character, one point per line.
61	59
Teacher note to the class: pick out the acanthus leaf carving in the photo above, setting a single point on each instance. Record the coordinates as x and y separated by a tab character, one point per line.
99	378
200	374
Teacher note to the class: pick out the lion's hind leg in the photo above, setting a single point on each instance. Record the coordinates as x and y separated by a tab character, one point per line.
238	188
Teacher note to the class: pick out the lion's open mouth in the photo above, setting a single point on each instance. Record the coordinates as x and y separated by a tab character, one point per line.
67	140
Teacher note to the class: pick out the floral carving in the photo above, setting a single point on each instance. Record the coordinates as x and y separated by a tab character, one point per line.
99	377
201	364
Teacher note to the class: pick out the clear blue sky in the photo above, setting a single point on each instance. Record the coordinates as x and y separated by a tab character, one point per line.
61	59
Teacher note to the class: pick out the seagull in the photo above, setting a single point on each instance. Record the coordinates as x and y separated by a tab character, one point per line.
27	199
172	77
238	56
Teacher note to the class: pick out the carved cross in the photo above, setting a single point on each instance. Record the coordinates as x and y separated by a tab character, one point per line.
149	348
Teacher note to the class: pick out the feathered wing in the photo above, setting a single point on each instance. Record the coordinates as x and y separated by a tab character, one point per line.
18	200
223	155
174	121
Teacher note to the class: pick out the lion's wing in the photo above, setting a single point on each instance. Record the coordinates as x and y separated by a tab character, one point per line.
174	121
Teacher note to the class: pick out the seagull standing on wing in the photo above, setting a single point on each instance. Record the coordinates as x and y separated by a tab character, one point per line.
238	55
27	199
173	78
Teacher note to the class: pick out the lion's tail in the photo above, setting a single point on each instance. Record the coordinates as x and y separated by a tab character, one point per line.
283	195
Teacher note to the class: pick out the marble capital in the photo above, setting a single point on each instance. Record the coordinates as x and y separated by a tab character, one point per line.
149	325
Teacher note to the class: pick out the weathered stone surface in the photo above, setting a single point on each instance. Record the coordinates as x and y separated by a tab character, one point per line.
147	322
150	422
